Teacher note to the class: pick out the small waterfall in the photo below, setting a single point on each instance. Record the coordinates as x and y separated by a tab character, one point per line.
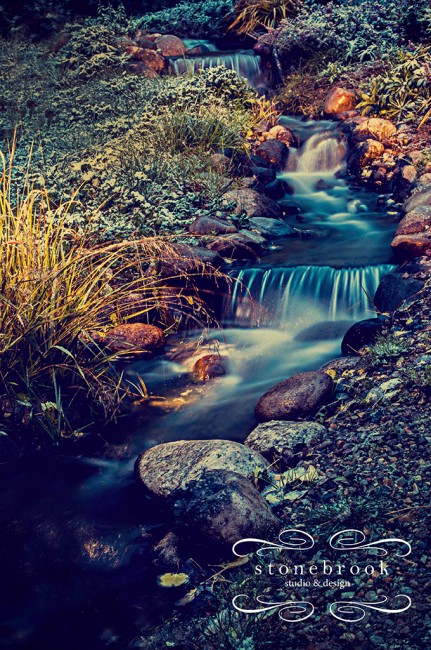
322	152
245	64
301	295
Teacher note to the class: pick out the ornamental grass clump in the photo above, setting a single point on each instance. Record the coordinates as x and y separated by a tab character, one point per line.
55	289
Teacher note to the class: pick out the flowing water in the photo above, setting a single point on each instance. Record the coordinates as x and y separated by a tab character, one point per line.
76	571
244	62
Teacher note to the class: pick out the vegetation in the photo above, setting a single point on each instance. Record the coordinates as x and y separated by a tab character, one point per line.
252	15
207	18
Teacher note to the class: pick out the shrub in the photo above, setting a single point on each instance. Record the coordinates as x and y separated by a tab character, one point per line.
251	15
402	93
204	18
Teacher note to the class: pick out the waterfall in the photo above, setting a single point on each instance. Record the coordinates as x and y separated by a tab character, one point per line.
245	64
303	294
322	152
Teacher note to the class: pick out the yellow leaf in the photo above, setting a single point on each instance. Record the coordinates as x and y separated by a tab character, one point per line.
172	579
332	373
185	600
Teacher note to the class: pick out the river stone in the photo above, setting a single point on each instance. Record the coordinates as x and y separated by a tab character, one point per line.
137	338
187	259
264	175
167	555
339	100
172	465
339	365
252	203
210	226
273	437
416	221
394	289
271	228
170	45
365	332
365	152
423	197
238	247
376	128
274	152
406	247
222	507
299	396
152	59
210	366
280	132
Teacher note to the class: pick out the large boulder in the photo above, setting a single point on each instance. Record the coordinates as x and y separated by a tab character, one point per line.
150	58
299	396
172	465
274	152
375	128
252	203
138	339
365	332
365	152
394	289
222	507
407	247
169	45
336	367
274	437
415	221
280	132
338	101
193	260
211	226
271	228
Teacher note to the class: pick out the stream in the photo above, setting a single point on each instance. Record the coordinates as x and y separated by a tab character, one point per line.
75	565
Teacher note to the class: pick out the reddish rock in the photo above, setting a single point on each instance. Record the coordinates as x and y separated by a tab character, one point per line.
170	45
299	396
139	68
406	247
273	152
339	100
209	226
209	367
366	152
280	132
375	128
236	247
136	338
416	221
150	58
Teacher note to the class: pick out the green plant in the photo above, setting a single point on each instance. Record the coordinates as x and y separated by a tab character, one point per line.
203	18
251	15
403	92
386	349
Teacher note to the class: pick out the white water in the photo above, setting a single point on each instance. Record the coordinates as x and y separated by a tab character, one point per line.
246	64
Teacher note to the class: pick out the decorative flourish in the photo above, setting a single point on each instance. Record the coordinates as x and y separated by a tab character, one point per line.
353	612
289	540
290	611
351	539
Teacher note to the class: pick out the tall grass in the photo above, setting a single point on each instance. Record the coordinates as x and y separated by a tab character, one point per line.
55	288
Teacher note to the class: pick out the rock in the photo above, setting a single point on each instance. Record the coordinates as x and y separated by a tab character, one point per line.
394	289
150	58
209	367
139	68
167	553
360	334
425	179
365	152
136	338
375	128
423	197
280	132
222	507
252	203
170	45
220	162
274	152
406	247
263	174
409	174
299	396
339	365
254	236
210	226
325	331
146	43
194	260
172	465
236	247
274	437
416	221
276	190
271	228
339	100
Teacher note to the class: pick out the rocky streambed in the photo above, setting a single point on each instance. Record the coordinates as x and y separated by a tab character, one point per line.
340	443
